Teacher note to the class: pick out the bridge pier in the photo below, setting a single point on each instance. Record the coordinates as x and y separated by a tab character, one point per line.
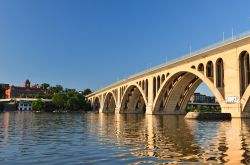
117	110
149	110
234	109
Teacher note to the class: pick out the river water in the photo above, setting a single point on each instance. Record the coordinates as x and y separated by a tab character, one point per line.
92	138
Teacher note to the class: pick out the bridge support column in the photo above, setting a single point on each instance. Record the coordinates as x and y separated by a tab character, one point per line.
149	110
234	109
149	107
117	110
101	109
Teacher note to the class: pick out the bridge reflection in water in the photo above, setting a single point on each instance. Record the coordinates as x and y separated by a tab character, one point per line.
172	138
122	138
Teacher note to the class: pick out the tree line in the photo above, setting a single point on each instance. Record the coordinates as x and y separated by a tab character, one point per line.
202	108
62	99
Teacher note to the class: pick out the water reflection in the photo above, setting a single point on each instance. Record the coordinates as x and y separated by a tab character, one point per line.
172	138
42	138
5	126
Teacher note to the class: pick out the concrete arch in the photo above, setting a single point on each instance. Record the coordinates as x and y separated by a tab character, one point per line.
192	74
139	94
201	67
109	103
189	93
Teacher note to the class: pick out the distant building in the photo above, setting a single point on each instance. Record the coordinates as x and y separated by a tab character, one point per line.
200	98
15	91
24	105
3	87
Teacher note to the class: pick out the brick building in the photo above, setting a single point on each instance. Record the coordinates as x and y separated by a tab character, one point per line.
3	88
200	98
15	91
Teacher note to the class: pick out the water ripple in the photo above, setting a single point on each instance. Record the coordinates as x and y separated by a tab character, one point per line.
91	138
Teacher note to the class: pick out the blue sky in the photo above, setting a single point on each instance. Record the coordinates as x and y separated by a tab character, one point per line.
92	43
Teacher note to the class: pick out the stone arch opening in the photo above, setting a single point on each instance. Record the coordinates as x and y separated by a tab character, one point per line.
176	92
244	71
133	101
143	85
193	67
154	87
109	103
146	88
210	71
219	73
162	78
96	104
158	82
201	68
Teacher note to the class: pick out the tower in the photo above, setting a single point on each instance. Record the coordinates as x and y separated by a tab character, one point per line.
27	84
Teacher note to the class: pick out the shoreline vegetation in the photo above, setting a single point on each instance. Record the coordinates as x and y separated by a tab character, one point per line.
202	108
63	100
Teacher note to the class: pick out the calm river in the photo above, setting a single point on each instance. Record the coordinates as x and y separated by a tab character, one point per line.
90	138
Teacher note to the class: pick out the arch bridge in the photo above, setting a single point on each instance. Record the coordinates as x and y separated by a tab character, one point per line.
166	89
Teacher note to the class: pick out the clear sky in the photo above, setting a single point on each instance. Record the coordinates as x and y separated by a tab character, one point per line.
92	43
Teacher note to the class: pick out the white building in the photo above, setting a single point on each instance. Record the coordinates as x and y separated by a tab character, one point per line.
24	105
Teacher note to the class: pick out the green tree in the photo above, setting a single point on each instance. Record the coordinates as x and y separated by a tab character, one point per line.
58	88
1	106
45	87
49	107
73	103
2	92
59	100
51	90
38	105
71	93
198	108
87	106
86	92
188	108
69	90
